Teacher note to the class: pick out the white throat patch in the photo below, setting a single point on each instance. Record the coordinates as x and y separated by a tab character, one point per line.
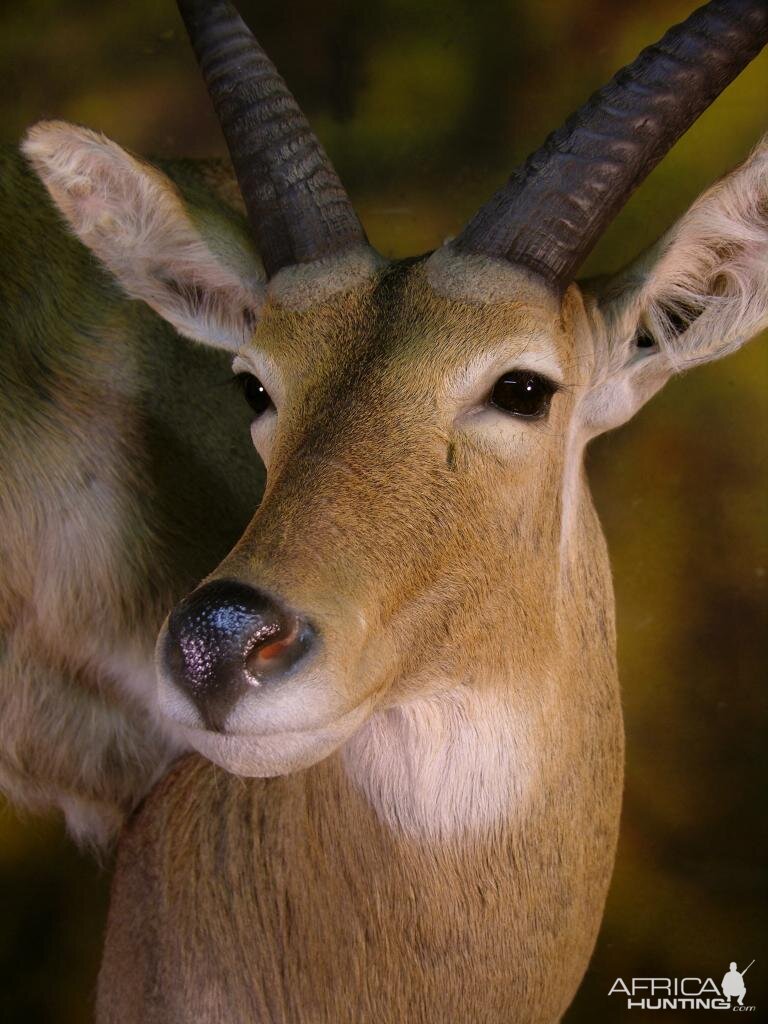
443	766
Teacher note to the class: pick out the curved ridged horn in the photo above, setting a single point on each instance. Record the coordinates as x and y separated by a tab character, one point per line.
553	209
297	207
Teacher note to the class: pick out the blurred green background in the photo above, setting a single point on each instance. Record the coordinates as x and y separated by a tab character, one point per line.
425	106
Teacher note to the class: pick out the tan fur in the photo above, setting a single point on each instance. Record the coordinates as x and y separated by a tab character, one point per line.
438	840
469	277
454	855
307	284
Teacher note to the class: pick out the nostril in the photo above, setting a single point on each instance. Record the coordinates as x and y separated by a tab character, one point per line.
226	638
270	651
273	655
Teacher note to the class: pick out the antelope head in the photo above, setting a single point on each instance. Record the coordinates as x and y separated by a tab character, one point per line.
426	531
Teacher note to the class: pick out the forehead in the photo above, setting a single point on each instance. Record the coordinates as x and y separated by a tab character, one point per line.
411	312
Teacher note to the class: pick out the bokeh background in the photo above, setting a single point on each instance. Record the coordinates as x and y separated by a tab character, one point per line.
425	106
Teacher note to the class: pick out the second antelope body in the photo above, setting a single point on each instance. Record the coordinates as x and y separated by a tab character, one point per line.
410	652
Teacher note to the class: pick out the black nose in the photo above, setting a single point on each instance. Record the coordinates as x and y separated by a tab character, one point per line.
227	638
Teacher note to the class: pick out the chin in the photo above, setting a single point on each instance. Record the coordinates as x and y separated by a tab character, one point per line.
265	755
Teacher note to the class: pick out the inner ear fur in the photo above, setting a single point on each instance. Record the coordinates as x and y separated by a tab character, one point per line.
697	295
195	266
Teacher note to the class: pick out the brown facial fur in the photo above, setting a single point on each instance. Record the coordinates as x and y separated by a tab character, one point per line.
371	479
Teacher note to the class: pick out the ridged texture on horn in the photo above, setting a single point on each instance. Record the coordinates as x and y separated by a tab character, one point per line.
296	205
554	208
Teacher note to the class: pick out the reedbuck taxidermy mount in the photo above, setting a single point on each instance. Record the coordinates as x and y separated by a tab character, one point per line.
410	652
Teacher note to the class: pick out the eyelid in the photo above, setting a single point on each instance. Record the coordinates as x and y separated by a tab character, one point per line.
552	384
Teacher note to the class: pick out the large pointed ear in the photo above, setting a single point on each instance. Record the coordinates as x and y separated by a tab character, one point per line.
697	295
198	271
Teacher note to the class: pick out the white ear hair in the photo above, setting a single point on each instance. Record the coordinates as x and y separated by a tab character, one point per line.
203	277
699	294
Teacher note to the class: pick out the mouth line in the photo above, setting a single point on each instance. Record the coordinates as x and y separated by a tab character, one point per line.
277	735
262	755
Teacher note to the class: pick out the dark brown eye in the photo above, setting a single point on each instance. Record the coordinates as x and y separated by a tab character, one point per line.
523	393
256	395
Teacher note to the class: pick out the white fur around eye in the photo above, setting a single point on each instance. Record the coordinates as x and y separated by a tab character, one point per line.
503	434
263	430
491	428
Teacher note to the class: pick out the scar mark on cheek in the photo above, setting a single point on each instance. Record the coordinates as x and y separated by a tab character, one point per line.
450	459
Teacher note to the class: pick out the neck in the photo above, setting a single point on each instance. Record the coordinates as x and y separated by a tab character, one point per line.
458	852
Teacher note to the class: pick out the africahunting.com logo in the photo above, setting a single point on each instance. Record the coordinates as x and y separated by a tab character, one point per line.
686	993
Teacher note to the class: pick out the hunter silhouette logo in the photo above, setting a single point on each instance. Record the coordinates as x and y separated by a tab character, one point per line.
688	993
733	983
